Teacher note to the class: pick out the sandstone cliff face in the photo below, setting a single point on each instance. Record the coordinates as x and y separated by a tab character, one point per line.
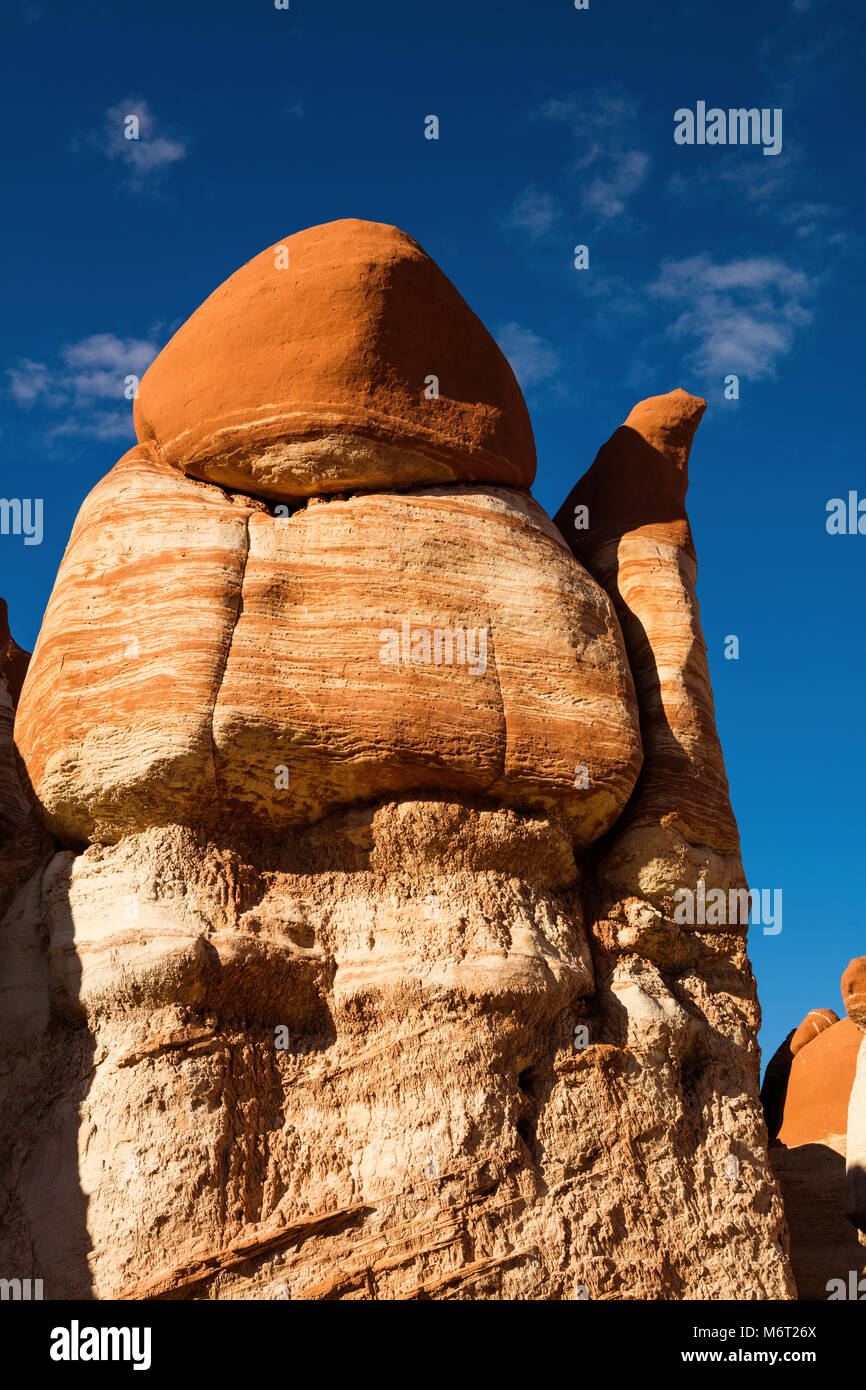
634	537
196	644
814	1096
354	970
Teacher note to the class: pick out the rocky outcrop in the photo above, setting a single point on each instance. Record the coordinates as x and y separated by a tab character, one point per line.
853	988
815	1099
202	659
356	974
340	358
775	1084
626	521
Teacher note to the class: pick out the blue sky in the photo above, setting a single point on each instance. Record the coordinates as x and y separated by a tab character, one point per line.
556	129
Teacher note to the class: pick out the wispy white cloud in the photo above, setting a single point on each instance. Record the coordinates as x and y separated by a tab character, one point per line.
532	358
610	167
98	424
131	134
28	381
534	212
608	194
798	53
605	168
765	187
85	376
770	189
98	365
738	316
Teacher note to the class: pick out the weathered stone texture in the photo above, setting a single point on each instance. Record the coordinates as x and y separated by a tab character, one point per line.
358	978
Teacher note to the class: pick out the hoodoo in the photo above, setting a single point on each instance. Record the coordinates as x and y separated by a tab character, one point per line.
349	978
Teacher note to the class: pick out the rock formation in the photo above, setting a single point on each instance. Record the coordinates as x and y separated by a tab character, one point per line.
353	963
814	1096
334	362
231	645
14	806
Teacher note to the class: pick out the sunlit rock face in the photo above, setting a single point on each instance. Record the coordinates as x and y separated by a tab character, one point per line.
352	961
339	358
202	659
814	1096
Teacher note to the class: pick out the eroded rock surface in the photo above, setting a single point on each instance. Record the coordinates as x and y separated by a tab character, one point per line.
202	659
352	972
338	358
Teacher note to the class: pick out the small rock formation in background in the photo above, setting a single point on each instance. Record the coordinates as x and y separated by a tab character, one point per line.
814	1097
352	962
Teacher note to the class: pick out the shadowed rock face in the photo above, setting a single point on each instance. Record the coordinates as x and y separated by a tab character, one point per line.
814	1096
354	970
637	542
13	666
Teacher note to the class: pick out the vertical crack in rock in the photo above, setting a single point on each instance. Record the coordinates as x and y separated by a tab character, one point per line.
239	608
499	772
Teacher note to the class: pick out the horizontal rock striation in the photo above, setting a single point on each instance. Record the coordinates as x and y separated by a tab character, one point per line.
202	659
626	521
355	973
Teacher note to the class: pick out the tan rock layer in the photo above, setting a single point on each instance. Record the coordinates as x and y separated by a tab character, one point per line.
202	659
819	1115
638	545
114	725
416	1049
428	1127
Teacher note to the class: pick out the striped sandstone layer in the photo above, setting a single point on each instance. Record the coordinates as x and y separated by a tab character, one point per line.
202	659
309	371
442	1042
677	995
679	826
114	723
